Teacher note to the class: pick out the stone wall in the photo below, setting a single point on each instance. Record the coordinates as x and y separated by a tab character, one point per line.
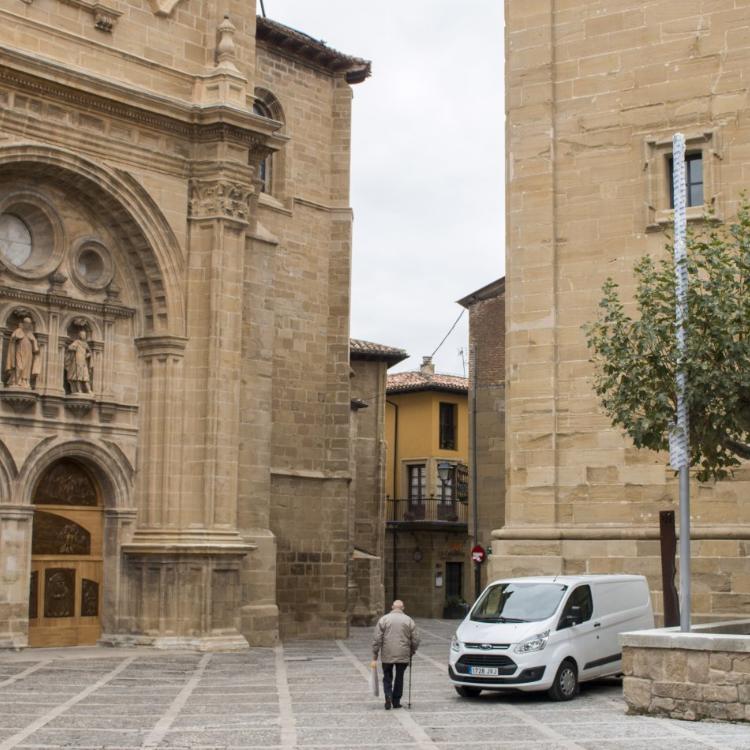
368	490
218	426
594	92
487	385
420	557
688	677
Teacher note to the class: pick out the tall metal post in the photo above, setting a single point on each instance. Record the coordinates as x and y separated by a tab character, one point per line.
679	447
474	487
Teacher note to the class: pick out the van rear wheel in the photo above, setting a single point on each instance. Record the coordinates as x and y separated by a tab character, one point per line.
467	692
565	686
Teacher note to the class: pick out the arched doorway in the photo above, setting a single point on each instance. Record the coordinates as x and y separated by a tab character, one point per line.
66	557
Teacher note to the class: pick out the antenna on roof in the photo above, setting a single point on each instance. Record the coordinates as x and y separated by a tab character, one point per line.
262	9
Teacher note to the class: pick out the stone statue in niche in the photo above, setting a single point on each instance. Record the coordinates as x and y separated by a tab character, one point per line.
23	363
78	369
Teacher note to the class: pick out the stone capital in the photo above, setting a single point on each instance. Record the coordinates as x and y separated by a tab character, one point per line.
161	346
220	198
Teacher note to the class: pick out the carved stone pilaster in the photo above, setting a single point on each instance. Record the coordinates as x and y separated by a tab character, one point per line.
161	429
220	198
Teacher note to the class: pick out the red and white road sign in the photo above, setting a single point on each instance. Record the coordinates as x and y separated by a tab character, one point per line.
478	555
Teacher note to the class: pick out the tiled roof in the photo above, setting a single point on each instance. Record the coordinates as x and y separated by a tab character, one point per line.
359	349
316	51
403	382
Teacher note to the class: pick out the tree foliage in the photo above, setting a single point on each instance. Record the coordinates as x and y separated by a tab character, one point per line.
636	359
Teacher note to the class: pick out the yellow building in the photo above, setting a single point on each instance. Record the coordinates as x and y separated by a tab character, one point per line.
427	437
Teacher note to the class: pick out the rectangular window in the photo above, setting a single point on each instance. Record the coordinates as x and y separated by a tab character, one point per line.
693	179
417	482
447	426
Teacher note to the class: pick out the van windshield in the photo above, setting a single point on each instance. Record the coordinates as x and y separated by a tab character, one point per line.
518	602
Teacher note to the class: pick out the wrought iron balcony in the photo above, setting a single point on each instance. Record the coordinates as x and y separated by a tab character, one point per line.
427	512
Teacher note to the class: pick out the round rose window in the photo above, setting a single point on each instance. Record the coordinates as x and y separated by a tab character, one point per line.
90	266
15	240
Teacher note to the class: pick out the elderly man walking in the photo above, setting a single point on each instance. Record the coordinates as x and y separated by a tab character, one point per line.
396	640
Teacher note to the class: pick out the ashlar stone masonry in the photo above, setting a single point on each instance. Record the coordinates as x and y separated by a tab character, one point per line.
175	242
594	92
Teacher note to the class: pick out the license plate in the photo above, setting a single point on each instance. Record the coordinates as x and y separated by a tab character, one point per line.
484	671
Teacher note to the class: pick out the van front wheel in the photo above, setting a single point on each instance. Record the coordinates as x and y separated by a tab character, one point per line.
565	686
467	692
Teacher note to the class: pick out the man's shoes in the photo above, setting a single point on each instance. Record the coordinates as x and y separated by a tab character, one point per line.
387	704
396	704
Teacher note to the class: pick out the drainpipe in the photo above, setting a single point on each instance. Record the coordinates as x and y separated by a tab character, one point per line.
395	501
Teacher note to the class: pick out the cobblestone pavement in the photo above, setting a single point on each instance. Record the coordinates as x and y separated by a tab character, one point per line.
305	695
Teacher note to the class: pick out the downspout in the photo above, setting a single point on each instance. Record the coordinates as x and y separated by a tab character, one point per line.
395	501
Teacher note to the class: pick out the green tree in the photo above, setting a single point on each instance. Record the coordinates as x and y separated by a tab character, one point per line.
636	359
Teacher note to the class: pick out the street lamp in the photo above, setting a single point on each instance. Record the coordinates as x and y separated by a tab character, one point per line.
444	469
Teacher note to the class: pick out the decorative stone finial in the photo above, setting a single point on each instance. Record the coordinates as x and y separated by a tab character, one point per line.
57	282
225	49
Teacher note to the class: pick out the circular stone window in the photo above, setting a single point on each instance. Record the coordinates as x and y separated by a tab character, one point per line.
92	264
30	235
15	240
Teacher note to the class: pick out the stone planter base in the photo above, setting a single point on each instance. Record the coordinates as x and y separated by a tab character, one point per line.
704	674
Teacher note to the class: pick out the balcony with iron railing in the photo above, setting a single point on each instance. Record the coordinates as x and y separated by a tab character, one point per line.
429	513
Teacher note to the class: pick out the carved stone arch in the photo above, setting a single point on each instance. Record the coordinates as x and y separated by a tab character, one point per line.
151	249
8	473
269	102
111	469
75	319
10	312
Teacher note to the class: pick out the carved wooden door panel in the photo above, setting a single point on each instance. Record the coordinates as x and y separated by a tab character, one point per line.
66	567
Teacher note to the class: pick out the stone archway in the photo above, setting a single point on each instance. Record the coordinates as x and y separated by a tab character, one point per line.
67	556
148	242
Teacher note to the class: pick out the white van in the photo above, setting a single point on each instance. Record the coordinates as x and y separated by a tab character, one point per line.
547	633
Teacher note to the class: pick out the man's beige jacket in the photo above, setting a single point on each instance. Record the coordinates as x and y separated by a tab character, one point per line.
395	638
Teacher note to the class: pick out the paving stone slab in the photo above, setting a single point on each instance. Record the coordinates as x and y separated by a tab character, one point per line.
363	737
263	737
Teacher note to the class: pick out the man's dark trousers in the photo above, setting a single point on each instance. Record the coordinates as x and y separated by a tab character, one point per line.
393	689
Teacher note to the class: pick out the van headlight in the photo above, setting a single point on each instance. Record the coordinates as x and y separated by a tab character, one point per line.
535	643
455	644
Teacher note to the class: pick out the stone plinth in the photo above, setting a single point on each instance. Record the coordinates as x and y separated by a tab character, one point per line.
704	674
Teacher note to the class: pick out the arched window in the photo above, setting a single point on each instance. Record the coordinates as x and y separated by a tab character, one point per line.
265	167
271	169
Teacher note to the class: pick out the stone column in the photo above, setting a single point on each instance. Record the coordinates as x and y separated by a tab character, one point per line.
161	404
219	218
15	567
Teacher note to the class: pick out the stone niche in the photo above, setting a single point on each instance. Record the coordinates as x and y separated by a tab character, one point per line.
703	674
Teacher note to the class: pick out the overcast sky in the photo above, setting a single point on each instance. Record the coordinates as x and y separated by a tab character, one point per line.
427	162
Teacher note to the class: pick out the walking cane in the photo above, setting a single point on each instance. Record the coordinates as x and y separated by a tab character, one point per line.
410	682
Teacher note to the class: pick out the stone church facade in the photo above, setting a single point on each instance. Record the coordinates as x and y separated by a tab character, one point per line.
594	92
175	242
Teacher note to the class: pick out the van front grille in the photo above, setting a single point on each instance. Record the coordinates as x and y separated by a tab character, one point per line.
489	646
505	664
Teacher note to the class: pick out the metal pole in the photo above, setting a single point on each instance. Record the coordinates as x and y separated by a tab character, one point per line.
474	489
680	437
